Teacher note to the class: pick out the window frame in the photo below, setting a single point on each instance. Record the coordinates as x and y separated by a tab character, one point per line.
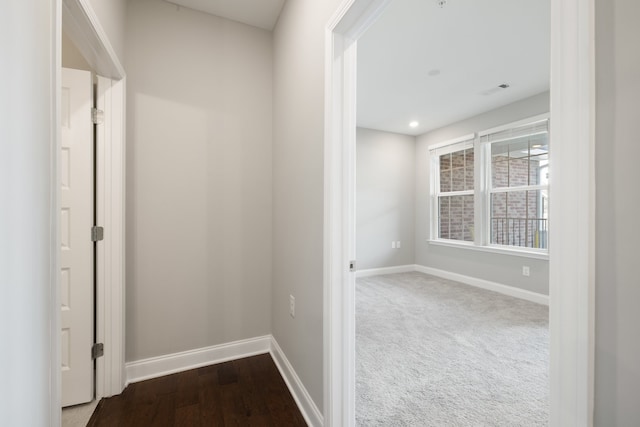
482	190
435	151
488	190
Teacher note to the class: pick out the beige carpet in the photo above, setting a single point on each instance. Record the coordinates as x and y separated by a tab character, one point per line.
432	352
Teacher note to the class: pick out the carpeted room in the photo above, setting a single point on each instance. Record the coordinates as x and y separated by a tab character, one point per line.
434	349
453	197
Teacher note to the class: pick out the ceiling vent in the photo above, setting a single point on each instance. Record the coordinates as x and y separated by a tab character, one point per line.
494	90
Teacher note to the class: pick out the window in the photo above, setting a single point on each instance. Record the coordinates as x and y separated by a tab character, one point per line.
454	191
493	190
518	185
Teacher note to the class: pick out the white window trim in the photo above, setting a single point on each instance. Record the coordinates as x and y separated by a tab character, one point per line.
488	190
482	191
435	151
496	249
442	145
518	188
518	123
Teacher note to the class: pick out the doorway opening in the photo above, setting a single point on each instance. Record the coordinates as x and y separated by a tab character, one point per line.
570	240
92	51
452	136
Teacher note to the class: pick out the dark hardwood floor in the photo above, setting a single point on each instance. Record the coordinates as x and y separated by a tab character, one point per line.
245	392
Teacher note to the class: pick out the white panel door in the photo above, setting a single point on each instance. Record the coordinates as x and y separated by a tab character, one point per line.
76	217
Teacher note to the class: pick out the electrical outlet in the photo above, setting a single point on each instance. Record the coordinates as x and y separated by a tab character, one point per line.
525	270
292	306
398	244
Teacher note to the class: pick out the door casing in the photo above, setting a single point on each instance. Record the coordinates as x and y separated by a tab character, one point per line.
572	189
83	28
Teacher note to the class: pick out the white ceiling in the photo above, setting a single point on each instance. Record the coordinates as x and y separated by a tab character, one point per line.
475	45
258	13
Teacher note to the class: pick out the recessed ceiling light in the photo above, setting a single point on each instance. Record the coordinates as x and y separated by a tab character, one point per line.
414	124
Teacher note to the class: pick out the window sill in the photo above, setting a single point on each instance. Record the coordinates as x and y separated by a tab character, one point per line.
491	249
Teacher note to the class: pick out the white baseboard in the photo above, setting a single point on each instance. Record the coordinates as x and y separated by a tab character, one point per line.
155	367
307	406
485	284
178	362
386	270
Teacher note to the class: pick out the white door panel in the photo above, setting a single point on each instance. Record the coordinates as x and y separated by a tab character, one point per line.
76	247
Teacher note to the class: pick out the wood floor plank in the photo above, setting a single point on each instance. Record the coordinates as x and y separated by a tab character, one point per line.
164	385
164	411
114	411
187	393
278	397
253	390
210	398
234	410
245	392
227	373
188	416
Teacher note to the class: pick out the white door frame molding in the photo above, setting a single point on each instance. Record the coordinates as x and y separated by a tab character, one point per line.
81	24
572	233
346	26
572	236
110	273
83	28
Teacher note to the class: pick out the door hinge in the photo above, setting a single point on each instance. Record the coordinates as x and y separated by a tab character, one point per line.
97	233
97	350
352	265
97	116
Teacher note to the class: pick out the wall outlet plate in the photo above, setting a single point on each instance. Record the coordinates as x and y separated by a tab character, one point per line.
526	271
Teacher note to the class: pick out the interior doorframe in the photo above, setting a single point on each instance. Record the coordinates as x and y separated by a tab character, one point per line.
82	26
572	237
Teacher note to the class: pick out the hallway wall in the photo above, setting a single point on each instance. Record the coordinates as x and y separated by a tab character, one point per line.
298	186
617	381
199	187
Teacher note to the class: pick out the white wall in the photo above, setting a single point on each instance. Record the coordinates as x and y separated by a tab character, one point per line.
27	202
617	211
111	14
385	193
199	186
504	269
298	185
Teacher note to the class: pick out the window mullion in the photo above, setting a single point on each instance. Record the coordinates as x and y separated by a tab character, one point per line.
456	193
520	188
